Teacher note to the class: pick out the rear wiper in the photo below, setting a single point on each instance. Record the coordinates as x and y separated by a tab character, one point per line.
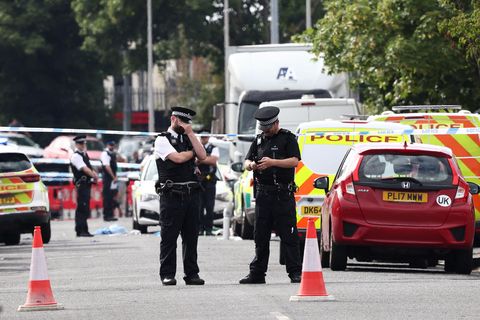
403	179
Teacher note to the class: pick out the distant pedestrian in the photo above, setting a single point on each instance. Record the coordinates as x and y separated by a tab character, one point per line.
109	177
208	180
178	187
83	177
272	157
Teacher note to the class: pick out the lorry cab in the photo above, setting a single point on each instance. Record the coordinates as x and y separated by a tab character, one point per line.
451	119
323	145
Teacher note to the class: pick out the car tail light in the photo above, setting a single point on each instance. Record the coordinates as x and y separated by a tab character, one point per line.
462	192
348	190
30	178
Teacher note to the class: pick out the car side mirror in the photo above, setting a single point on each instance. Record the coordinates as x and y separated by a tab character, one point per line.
133	176
237	167
474	188
321	183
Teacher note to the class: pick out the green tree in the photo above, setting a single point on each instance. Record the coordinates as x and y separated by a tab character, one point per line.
463	28
395	52
45	78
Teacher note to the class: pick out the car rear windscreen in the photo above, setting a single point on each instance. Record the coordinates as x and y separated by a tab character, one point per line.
427	169
13	162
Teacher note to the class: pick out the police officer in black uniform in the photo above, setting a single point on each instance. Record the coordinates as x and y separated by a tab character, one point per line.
83	177
208	180
109	176
273	157
178	187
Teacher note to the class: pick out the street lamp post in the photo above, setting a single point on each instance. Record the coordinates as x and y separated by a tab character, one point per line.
151	114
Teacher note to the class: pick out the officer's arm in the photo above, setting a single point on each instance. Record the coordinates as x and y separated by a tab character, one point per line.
110	171
180	157
198	148
89	172
212	159
285	163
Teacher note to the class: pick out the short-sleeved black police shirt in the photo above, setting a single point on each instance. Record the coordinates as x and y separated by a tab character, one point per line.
283	145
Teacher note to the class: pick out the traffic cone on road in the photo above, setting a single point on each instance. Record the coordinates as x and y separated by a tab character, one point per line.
40	296
312	286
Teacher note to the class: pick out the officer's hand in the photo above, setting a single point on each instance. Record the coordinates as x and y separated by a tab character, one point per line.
265	163
253	166
187	127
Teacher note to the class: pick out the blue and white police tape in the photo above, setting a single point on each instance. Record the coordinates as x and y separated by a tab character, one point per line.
96	163
447	131
67	176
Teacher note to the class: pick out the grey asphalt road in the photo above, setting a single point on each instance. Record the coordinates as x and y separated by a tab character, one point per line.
116	277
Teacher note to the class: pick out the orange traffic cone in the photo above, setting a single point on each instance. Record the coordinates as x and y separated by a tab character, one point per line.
312	287
40	296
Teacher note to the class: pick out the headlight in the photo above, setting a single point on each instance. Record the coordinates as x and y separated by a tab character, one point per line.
148	197
224	196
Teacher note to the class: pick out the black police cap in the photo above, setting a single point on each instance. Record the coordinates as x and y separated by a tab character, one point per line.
266	116
80	138
185	114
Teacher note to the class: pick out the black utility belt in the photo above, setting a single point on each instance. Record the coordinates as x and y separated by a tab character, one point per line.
291	187
176	187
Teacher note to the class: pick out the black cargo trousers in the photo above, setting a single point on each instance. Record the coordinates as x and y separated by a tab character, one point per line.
275	210
82	212
179	214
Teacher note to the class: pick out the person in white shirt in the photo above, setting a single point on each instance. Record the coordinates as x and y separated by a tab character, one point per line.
178	187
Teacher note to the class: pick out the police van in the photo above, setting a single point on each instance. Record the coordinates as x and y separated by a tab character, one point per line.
465	147
292	113
323	145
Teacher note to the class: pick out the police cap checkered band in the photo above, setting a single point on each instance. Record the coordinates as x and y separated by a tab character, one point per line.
268	122
181	114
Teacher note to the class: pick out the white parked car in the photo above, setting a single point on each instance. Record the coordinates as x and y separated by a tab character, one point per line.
146	204
24	200
21	143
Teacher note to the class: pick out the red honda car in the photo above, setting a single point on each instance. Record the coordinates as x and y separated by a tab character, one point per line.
398	203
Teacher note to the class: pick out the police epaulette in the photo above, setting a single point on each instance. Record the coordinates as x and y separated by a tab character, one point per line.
285	131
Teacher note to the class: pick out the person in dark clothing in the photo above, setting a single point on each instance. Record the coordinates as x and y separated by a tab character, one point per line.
208	180
109	177
83	177
178	187
273	157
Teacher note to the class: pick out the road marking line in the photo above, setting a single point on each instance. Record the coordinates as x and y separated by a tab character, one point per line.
279	316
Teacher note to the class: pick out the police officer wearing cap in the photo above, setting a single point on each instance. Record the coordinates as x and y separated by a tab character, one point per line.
83	177
178	187
208	180
273	157
109	177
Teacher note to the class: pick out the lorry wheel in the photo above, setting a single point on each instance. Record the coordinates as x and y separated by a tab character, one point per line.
46	232
449	266
338	256
11	239
281	258
139	227
237	228
247	228
464	261
324	255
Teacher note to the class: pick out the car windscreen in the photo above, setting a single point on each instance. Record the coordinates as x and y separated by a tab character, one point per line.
94	145
246	121
14	162
427	169
21	141
323	158
152	173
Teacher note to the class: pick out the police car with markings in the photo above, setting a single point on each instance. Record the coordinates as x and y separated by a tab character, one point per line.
23	198
398	202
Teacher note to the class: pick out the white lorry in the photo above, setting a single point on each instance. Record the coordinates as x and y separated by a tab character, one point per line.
261	73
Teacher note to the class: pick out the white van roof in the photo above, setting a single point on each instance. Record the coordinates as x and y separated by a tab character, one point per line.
381	125
295	111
